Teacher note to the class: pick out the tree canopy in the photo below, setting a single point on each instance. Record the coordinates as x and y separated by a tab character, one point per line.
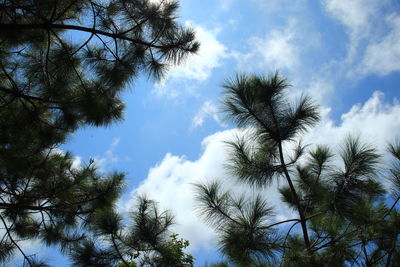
344	215
63	65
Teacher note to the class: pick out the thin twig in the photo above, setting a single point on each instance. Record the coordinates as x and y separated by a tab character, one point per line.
14	242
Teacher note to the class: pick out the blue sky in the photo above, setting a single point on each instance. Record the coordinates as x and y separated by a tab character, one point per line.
344	53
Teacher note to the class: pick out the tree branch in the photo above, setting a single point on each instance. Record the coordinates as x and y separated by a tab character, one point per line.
17	27
14	242
117	250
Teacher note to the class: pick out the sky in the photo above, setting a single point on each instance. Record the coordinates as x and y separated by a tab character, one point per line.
345	54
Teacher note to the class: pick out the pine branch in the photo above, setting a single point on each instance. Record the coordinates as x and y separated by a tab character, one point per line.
18	93
278	223
118	251
296	198
392	207
14	242
50	26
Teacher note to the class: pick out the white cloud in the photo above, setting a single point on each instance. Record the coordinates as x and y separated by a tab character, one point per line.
208	109
383	57
197	67
109	156
156	1
100	161
356	15
170	181
225	5
374	121
277	50
320	89
374	36
76	160
279	6
171	184
282	48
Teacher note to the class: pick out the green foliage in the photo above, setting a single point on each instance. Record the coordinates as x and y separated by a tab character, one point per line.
144	241
346	217
63	65
259	102
130	264
253	161
394	149
219	264
240	222
6	250
172	254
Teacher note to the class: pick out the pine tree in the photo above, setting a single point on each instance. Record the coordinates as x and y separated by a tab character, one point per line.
145	241
63	64
345	217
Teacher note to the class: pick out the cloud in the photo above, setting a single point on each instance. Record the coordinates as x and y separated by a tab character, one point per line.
277	50
376	121
282	48
356	15
76	160
170	181
287	49
76	163
319	88
279	6
225	5
198	67
383	57
109	156
208	109
374	36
